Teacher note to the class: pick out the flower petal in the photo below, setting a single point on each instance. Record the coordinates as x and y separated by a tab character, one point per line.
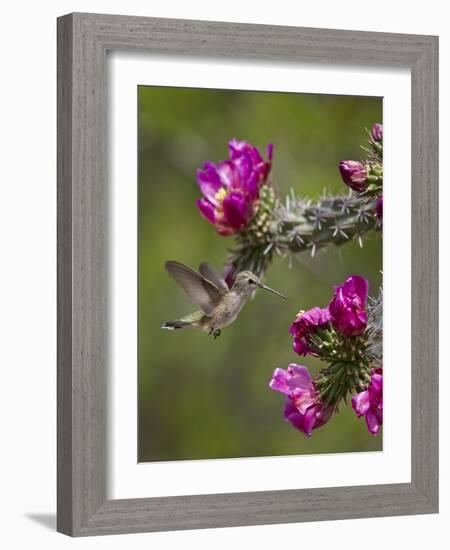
361	402
292	415
244	167
300	346
359	285
372	422
206	210
225	231
309	420
280	381
236	148
228	174
296	377
376	383
236	210
316	316
252	186
304	400
209	183
300	377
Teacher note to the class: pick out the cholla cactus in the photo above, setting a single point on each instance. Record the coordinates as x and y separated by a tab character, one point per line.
347	335
240	200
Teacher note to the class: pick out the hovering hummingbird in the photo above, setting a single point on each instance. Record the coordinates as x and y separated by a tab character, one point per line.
219	304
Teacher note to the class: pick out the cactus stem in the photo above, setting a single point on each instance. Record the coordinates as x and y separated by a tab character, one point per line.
297	224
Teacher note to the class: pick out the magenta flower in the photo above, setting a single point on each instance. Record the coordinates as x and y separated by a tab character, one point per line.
369	403
305	324
354	174
303	407
379	207
348	306
377	132
231	187
244	152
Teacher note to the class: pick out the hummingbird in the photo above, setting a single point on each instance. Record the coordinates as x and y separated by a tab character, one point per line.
220	305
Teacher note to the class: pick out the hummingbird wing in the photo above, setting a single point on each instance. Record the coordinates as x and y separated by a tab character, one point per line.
212	275
202	291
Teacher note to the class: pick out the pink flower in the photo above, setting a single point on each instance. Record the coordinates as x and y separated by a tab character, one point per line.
305	324
231	187
354	174
303	407
348	306
369	403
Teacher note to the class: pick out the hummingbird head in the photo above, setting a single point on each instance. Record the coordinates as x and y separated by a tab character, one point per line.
247	282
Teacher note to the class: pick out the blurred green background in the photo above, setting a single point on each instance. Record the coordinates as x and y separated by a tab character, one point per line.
201	398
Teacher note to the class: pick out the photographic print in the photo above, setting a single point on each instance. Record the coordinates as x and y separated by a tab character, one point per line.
260	274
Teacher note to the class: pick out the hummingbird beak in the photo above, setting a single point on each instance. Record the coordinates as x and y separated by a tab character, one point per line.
274	291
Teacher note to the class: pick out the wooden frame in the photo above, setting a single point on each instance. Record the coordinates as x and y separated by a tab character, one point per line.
83	40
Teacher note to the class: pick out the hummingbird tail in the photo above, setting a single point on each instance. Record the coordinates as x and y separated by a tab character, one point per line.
172	325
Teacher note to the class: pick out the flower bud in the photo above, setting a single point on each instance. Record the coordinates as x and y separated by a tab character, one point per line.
354	174
377	132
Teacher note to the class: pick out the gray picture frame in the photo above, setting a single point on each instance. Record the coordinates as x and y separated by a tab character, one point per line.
83	42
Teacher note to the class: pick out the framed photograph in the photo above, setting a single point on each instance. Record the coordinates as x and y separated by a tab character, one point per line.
247	274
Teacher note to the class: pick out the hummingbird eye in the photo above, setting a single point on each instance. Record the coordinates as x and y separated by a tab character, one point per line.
251	281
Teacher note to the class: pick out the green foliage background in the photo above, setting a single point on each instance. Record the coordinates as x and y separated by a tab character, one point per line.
202	398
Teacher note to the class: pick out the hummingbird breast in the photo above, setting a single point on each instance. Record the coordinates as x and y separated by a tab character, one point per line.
226	311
